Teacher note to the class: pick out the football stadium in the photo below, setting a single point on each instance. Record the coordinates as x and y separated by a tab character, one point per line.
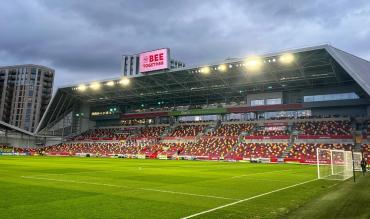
277	135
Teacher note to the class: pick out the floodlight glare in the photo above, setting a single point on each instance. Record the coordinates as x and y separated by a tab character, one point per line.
124	81
81	87
253	63
286	58
95	86
110	83
222	68
205	70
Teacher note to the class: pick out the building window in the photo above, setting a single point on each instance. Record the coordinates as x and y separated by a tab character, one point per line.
257	102
331	97
273	101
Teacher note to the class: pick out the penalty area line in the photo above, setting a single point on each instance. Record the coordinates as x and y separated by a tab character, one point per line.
247	199
127	187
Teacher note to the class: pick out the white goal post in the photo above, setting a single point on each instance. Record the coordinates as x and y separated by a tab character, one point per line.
336	164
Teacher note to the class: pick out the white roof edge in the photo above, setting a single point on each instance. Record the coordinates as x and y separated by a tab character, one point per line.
16	128
46	110
358	68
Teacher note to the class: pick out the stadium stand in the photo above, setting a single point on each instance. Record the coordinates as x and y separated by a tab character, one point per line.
329	128
185	130
82	148
226	140
151	132
306	151
258	150
103	134
210	147
231	129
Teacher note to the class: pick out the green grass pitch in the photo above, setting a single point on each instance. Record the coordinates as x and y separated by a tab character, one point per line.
62	187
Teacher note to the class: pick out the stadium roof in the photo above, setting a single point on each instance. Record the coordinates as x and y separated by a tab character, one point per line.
309	67
6	126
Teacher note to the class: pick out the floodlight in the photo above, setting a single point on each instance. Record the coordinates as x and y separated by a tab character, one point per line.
222	68
110	83
253	63
95	86
81	87
124	81
286	58
205	70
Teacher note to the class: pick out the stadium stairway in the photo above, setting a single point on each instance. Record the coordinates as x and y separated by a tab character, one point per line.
290	146
240	140
168	130
210	128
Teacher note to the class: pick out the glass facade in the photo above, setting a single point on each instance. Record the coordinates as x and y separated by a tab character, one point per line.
286	114
199	118
257	102
273	101
331	97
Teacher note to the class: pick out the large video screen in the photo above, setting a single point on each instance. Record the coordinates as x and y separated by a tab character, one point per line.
154	60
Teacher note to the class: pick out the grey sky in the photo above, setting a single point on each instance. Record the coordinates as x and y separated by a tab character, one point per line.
83	40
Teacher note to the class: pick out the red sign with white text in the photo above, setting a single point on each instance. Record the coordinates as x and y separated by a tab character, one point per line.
154	60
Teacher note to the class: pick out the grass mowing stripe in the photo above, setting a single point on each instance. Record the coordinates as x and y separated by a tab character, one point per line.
240	176
127	187
247	199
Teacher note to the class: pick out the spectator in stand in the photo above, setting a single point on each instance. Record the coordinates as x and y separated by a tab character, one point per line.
363	166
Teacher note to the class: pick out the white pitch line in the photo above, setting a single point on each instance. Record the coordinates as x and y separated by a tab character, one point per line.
240	176
127	187
247	199
185	193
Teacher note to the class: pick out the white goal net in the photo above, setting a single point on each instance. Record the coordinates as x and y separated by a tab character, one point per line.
334	164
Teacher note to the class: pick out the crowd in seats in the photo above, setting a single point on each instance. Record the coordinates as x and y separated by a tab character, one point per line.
9	149
213	147
259	150
133	148
169	148
6	149
151	132
103	133
324	127
307	151
187	130
92	148
231	130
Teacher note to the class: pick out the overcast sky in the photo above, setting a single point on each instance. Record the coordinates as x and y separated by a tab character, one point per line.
83	40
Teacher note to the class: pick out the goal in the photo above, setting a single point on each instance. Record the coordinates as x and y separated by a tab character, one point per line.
334	164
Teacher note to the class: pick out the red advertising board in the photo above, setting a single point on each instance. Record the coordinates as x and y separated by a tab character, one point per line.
154	60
